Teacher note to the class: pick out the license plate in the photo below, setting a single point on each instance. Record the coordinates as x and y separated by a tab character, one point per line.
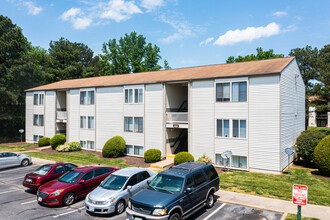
91	208
28	180
39	199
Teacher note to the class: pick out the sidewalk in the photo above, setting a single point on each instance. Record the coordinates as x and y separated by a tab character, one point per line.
40	162
276	205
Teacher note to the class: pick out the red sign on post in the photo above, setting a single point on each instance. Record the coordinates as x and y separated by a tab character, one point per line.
299	194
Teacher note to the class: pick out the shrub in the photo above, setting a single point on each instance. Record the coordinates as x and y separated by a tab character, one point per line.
204	158
306	143
322	156
44	141
57	140
115	147
72	146
183	157
152	155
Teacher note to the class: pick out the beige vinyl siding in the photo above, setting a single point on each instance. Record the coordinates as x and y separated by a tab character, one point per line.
109	112
154	117
264	123
292	109
73	115
29	117
50	113
202	118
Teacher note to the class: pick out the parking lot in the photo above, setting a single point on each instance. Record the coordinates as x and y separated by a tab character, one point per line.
17	202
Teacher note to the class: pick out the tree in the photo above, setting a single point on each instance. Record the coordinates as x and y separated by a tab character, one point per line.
131	54
261	55
166	65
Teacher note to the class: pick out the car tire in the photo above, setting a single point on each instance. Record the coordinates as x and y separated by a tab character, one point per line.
69	199
175	216
210	200
25	162
120	207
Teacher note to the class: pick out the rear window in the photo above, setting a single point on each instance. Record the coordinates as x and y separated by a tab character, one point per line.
211	173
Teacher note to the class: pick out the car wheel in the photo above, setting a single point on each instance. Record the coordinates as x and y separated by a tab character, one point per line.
25	162
210	200
69	198
175	216
120	207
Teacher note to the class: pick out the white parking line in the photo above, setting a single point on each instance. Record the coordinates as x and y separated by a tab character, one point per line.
65	213
10	191
215	211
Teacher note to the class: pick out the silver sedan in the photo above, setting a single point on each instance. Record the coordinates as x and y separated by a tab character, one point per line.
10	159
114	192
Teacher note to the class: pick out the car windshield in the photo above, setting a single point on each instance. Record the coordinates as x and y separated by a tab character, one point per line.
114	182
43	170
167	183
70	176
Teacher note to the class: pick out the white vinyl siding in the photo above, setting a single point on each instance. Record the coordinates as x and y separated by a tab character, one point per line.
50	113
29	117
73	132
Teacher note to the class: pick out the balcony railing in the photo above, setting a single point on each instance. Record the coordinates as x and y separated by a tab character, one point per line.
61	116
177	117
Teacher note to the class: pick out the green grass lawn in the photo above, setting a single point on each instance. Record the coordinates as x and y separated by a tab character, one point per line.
294	217
277	186
79	158
15	148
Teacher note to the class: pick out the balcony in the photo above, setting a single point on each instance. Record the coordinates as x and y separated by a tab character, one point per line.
177	119
61	116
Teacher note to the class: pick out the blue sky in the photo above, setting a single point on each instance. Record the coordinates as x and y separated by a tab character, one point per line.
188	32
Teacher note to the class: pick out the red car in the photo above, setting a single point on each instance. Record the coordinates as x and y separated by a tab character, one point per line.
73	185
45	174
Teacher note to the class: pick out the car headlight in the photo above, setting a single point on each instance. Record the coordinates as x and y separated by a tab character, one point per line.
129	204
159	212
56	193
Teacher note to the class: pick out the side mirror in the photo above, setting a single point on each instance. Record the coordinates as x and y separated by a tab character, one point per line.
82	181
188	190
148	181
129	187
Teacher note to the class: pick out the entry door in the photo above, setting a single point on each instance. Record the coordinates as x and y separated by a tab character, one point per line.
188	201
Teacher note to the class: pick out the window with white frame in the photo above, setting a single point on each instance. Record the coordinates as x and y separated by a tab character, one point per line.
239	128
87	145
223	92
221	161
86	97
36	138
222	127
133	122
138	150
38	99
83	144
134	95
138	124
129	149
128	124
87	122
38	120
239	92
90	145
238	161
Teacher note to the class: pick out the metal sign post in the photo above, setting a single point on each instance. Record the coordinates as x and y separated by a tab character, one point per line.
21	131
289	151
299	197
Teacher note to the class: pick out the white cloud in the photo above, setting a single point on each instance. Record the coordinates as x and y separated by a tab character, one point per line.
207	41
152	4
290	28
32	8
247	35
76	17
280	13
119	10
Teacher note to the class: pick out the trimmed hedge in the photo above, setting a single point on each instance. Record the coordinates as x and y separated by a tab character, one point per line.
115	147
44	141
306	143
183	157
72	146
57	140
152	155
322	156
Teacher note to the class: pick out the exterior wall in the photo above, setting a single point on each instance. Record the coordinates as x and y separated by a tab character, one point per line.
73	124
292	109
29	117
264	123
39	110
87	110
109	114
50	113
154	127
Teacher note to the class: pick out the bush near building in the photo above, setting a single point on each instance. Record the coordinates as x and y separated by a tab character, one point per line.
183	157
152	155
72	146
44	141
204	158
306	143
322	156
57	140
115	147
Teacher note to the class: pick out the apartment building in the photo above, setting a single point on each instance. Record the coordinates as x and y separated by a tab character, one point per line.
253	109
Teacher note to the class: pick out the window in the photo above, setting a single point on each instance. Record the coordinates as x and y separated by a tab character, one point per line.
138	95
82	121
90	122
239	128
138	150
190	183
211	173
69	166
87	125
238	161
88	176
132	181
90	144
239	92
37	137
128	124
134	150
38	99
87	97
128	95
59	169
38	120
199	178
223	92
83	144
129	149
220	161
101	171
138	124
143	175
222	128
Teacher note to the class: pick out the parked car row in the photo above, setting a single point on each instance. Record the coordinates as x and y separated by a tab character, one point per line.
10	159
172	194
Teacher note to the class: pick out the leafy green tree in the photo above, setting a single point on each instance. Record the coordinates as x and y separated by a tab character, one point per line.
166	65
131	54
261	55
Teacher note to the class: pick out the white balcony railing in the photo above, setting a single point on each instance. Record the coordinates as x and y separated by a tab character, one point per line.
177	117
61	116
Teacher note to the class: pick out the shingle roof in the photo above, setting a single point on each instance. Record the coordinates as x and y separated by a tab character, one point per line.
259	67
